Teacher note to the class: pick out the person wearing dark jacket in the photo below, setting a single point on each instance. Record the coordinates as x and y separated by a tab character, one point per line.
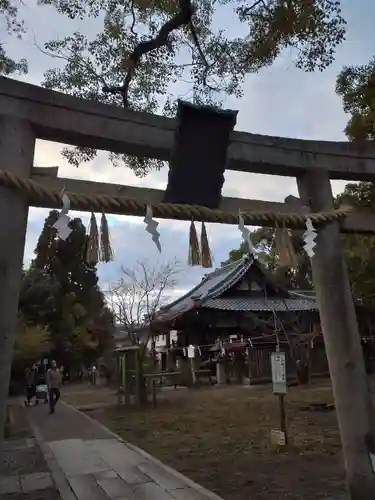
53	379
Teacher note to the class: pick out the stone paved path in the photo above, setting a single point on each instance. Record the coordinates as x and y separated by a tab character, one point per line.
14	479
90	461
24	472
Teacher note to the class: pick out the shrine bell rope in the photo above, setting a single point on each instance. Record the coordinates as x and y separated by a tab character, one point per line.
38	193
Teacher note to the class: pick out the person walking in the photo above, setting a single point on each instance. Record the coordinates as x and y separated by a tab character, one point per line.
93	375
31	380
53	379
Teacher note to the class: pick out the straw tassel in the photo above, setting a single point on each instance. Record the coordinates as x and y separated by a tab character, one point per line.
280	248
92	249
106	252
284	247
194	252
293	259
206	257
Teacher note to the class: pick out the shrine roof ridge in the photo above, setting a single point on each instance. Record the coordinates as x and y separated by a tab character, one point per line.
207	294
212	285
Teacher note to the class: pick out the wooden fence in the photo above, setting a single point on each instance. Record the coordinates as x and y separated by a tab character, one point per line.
259	363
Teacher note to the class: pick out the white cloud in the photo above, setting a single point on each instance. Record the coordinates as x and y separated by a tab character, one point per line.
278	101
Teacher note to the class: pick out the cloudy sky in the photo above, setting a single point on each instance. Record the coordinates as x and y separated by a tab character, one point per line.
278	101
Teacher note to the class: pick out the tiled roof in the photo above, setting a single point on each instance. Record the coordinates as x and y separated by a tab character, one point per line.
260	304
213	285
209	290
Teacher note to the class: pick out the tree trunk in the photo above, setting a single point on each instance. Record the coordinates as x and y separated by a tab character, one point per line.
17	143
351	390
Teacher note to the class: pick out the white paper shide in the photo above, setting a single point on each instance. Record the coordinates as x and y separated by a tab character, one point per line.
245	232
309	237
61	225
151	227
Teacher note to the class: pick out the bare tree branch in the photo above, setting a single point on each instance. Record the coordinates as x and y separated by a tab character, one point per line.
79	60
140	292
133	18
248	10
207	66
182	18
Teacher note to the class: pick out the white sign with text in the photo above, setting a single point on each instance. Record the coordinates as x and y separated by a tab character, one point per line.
278	367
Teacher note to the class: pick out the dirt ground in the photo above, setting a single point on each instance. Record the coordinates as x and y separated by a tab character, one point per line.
220	438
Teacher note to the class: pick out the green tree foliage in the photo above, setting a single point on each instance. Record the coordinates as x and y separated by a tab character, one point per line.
38	299
359	250
37	305
31	343
263	240
356	86
9	19
61	291
235	254
146	46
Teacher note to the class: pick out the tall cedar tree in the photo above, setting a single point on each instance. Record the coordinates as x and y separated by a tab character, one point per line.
81	325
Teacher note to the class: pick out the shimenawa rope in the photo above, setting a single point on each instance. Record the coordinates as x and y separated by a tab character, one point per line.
38	194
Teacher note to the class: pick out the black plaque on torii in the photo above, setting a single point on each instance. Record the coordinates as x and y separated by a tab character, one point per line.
199	156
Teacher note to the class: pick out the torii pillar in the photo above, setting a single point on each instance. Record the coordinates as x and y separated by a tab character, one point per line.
17	143
354	409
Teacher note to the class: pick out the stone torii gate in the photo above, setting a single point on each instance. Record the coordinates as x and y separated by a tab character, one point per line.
29	112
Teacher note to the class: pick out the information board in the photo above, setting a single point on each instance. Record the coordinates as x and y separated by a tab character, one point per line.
278	367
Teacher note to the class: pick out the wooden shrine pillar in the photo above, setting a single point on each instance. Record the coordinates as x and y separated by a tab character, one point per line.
17	142
352	396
